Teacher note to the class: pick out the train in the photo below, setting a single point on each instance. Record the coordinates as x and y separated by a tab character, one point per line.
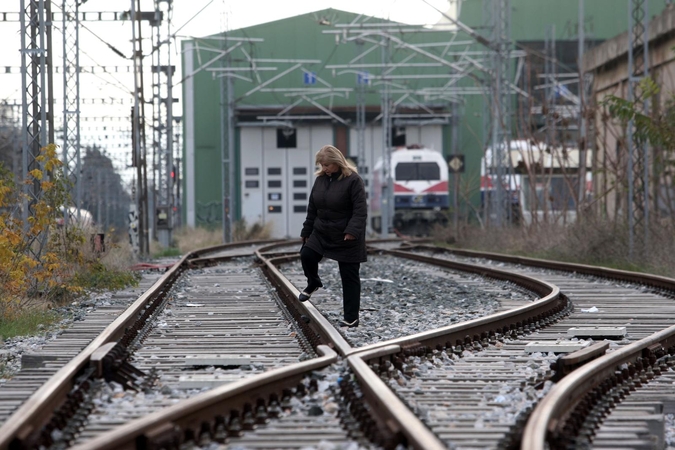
421	198
81	218
540	183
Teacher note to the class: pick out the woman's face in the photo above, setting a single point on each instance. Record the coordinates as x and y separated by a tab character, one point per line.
329	169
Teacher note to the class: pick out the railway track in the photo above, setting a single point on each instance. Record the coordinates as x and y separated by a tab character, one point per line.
39	365
618	400
232	356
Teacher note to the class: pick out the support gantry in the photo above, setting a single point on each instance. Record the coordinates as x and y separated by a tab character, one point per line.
36	121
72	162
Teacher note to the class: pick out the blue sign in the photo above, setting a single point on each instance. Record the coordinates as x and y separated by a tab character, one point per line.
561	91
309	77
363	78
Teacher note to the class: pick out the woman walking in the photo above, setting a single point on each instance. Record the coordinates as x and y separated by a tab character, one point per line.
335	227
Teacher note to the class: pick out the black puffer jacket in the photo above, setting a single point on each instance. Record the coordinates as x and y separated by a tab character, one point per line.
337	207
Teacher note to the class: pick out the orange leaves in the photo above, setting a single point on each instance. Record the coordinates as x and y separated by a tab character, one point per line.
36	173
49	158
31	262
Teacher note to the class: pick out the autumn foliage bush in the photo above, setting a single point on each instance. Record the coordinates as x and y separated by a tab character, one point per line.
38	259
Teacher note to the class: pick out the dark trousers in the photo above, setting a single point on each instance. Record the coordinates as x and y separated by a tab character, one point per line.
351	281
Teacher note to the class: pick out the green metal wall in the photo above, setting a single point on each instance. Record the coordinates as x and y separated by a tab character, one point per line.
296	38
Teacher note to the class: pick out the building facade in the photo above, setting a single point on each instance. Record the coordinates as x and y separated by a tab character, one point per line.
293	85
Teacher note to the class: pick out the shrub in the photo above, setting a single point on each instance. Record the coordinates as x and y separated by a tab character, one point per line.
189	239
257	231
98	277
592	241
38	259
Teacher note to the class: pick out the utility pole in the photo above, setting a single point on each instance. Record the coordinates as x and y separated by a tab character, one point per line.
230	154
139	132
582	105
162	124
72	163
361	82
35	82
638	152
387	195
454	149
501	102
227	142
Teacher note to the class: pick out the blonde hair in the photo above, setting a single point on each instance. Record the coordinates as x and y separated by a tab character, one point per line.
331	155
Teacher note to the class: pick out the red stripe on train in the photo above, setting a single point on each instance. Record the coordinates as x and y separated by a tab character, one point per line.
401	188
440	187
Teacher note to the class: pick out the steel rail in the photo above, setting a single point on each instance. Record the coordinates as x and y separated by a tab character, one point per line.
320	329
39	407
34	413
201	257
386	409
549	418
655	281
168	424
277	244
546	426
393	413
190	414
31	416
550	306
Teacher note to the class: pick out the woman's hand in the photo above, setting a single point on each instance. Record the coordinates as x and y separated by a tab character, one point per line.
304	240
349	237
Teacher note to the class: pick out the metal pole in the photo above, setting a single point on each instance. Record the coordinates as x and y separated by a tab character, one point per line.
71	98
629	138
638	151
98	197
50	78
33	72
387	184
361	119
169	132
231	155
645	145
454	146
159	178
137	135
224	151
108	186
582	106
500	102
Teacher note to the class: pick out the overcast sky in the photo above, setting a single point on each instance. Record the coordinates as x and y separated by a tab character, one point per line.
193	18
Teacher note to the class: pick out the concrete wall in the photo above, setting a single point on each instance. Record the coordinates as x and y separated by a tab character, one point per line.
608	64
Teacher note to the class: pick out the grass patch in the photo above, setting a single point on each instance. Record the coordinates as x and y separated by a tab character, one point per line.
590	241
189	239
168	252
98	278
26	323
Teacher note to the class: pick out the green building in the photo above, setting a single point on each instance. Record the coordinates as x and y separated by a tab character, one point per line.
294	85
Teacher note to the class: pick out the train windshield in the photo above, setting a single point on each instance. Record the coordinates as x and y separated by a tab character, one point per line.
418	171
